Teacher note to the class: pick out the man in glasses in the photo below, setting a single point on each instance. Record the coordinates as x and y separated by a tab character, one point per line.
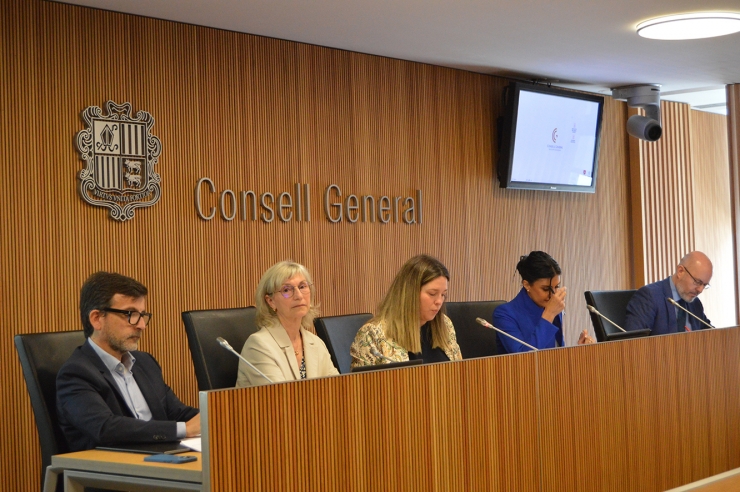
650	307
109	393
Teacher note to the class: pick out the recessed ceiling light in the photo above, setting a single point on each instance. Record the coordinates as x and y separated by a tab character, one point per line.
690	26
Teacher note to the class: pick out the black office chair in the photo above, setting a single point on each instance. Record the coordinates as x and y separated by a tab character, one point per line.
41	356
215	368
613	305
338	333
474	340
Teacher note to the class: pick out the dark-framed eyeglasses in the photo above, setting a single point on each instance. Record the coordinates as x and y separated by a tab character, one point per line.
133	316
288	291
698	283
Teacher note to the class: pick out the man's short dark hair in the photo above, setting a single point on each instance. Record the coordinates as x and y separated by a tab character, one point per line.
99	289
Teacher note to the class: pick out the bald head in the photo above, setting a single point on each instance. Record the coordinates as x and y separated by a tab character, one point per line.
693	275
698	260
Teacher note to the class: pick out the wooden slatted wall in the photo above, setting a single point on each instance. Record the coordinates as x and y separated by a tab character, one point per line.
712	208
646	414
260	114
665	170
733	137
681	202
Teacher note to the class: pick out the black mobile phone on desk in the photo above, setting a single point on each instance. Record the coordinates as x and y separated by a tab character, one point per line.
174	459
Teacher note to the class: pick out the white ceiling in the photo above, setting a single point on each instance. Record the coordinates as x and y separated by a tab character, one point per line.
585	44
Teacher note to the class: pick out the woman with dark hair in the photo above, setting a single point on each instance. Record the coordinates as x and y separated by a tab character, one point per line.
411	322
535	315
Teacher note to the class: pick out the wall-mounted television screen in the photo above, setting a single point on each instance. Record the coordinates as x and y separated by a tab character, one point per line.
549	139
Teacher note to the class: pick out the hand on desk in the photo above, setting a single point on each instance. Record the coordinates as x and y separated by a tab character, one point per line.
585	338
192	427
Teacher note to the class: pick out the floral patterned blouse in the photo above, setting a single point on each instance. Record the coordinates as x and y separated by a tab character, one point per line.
302	369
371	335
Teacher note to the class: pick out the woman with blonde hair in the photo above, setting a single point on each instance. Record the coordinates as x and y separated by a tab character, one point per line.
284	349
410	323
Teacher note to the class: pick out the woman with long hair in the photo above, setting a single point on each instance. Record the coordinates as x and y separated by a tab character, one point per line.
410	322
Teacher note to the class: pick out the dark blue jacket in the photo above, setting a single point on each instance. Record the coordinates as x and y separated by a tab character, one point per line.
92	411
649	308
523	319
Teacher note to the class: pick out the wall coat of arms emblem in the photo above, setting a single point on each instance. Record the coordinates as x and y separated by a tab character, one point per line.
120	153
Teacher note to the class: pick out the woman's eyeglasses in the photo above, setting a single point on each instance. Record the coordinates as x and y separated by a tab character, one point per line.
288	291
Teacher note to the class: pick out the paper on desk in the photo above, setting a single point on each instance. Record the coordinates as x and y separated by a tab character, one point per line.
193	443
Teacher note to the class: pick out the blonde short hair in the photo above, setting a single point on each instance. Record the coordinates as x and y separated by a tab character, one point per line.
271	281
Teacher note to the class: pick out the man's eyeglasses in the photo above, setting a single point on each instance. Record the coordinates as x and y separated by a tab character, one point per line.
133	316
698	283
288	291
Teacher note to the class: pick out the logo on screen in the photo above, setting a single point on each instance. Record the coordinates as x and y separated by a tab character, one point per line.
555	135
120	153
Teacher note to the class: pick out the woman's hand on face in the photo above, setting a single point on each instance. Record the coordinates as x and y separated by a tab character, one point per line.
555	305
585	339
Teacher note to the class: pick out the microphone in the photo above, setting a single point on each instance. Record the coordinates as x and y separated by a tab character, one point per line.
485	323
596	312
689	312
228	347
378	355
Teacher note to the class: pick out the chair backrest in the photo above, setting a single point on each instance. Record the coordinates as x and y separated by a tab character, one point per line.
613	305
214	367
338	333
41	356
474	340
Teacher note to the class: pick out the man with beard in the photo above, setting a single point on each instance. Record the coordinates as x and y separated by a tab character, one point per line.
109	393
650	307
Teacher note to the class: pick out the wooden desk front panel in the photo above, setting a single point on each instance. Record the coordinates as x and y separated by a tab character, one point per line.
647	414
455	426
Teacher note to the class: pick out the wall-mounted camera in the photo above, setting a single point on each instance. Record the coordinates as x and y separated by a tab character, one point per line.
646	96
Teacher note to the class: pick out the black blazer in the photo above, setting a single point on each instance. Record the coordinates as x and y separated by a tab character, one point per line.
93	413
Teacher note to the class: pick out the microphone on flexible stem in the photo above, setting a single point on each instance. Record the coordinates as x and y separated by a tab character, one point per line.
672	301
228	347
596	312
378	355
485	323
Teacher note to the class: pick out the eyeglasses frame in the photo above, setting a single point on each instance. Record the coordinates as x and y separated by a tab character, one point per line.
698	283
309	285
147	316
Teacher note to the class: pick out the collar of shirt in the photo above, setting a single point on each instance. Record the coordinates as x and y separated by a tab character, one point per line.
113	364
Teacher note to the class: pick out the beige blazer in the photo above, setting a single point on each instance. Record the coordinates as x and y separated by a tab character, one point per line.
271	351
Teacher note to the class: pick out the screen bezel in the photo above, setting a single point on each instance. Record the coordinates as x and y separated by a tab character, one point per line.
508	138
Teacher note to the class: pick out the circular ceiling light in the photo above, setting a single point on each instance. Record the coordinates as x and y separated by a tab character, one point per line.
690	26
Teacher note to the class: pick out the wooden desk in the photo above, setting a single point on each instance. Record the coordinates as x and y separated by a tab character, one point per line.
96	468
723	482
647	414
